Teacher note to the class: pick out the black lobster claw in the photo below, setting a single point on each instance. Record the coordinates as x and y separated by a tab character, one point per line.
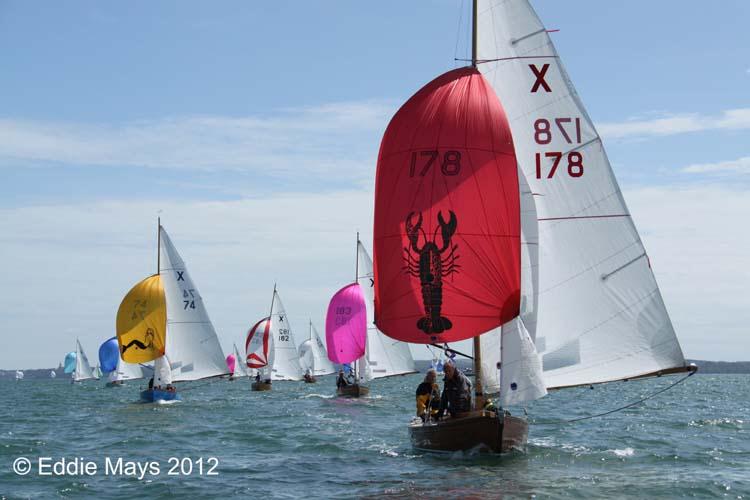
412	230
447	229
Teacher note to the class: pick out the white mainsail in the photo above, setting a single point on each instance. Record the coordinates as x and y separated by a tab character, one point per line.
126	371
285	358
192	345
83	369
601	316
52	374
240	365
386	356
312	355
19	375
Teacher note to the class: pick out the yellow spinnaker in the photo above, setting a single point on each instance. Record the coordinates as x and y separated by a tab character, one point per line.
142	322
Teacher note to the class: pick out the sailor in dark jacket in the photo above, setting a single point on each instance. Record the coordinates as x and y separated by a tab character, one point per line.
456	396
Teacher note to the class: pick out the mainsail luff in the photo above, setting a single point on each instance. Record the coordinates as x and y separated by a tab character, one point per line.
602	317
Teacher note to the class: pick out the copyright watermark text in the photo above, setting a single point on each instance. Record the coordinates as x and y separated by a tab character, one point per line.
140	469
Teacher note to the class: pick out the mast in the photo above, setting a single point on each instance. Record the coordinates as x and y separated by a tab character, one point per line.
478	393
158	245
356	260
272	299
474	17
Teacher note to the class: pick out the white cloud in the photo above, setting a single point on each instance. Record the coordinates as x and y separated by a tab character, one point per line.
338	139
738	166
732	119
698	247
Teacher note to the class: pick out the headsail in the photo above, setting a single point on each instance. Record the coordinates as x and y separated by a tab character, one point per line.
386	357
601	316
511	365
192	345
447	228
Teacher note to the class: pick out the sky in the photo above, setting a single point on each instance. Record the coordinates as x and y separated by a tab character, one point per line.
252	129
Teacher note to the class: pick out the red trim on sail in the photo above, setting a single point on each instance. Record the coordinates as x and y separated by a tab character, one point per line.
253	360
447	215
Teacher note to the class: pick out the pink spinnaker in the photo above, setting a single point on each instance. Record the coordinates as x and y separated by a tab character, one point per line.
346	325
231	361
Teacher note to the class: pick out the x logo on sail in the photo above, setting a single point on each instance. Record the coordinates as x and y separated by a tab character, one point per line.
539	74
179	276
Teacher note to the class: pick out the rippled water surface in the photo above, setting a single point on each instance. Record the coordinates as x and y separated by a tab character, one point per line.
298	440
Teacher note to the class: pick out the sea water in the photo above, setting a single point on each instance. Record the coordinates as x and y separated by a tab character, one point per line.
300	441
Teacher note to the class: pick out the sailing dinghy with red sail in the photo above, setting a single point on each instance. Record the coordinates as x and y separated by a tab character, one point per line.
504	223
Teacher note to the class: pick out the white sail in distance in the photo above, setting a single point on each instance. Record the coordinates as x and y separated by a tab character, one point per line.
240	365
126	371
601	316
312	355
83	369
192	345
386	357
286	357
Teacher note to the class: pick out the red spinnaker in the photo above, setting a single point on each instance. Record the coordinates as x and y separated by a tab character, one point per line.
256	344
447	217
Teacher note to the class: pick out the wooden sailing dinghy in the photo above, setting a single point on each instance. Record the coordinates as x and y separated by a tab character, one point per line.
163	319
271	348
449	203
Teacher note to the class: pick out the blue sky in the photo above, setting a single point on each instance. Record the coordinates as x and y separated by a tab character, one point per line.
254	127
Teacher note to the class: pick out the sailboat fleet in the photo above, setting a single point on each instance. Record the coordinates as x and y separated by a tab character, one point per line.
497	219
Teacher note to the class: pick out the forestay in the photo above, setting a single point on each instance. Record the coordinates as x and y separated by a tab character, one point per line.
601	316
386	356
192	345
286	357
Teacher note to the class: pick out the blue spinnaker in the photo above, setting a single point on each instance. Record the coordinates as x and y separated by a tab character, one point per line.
109	355
69	365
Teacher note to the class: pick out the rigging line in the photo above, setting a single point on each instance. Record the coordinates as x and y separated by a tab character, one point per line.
458	30
636	402
215	379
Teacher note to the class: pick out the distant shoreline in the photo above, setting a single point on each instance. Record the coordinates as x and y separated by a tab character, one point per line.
422	365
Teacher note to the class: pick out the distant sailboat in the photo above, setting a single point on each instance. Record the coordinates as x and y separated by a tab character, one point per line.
69	363
163	319
82	369
386	357
313	356
19	375
240	367
52	374
271	348
380	355
117	370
